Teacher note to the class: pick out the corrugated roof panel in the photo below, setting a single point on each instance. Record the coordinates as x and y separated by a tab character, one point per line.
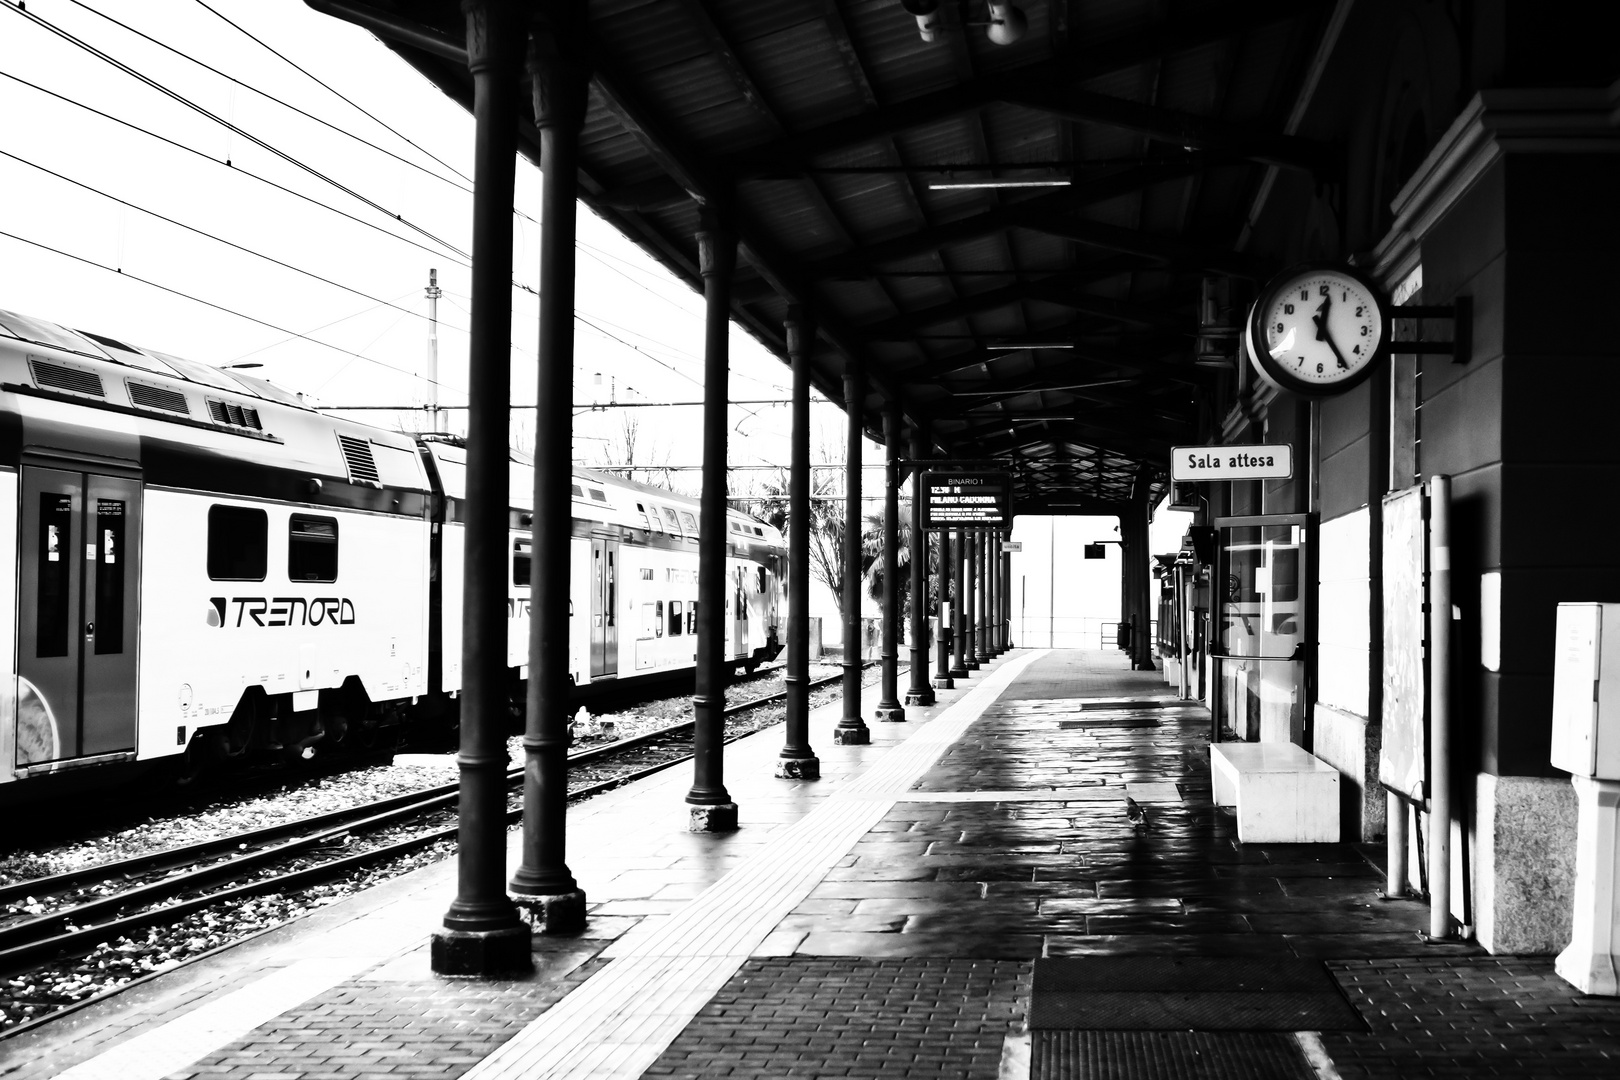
683	93
805	75
647	36
797	221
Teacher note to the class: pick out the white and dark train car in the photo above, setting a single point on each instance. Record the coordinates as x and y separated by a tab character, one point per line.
206	568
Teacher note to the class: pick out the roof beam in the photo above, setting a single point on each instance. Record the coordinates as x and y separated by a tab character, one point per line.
1210	23
1142	363
927	241
1170	126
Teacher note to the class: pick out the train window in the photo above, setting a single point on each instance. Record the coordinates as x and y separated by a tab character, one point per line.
762	579
691	617
520	562
54	572
658	620
312	548
579	492
736	527
674	618
687	520
670	518
238	543
110	576
598	495
653	524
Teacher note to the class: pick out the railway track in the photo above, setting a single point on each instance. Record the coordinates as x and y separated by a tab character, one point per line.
68	915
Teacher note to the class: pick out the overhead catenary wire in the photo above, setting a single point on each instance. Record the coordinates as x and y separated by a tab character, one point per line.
221	307
335	128
463	263
330	89
181	99
220	240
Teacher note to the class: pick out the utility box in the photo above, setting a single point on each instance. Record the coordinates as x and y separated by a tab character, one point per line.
1586	691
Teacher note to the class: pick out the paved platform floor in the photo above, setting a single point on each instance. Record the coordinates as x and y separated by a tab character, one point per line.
909	914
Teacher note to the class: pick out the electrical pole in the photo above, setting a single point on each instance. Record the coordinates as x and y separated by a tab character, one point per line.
433	294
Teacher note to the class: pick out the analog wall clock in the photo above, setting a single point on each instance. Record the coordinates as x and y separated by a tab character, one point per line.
1317	330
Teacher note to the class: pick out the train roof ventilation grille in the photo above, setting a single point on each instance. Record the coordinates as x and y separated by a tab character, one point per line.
61	377
234	415
148	396
357	454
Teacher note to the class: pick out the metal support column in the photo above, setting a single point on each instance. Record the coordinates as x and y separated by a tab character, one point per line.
947	616
992	591
889	709
920	693
959	608
483	932
1006	599
711	808
851	729
561	86
981	624
970	598
797	760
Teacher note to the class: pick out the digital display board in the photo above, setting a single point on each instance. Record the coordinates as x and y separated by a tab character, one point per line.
966	500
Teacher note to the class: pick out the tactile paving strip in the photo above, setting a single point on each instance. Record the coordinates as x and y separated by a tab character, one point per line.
1155	1055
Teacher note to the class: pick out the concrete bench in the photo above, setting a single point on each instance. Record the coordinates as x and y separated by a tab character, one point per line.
1282	793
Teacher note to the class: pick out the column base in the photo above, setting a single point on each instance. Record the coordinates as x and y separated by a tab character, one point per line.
944	682
890	714
959	672
799	768
923	696
971	665
483	954
853	735
721	817
558	913
1590	963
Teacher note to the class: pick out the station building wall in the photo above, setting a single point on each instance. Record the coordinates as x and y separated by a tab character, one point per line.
1491	173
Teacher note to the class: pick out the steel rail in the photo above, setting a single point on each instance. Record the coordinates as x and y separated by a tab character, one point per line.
57	934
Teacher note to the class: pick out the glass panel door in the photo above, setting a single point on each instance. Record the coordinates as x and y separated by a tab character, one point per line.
1264	635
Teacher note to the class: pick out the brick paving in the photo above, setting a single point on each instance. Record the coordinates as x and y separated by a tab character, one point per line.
369	1028
1473	1016
904	947
818	1017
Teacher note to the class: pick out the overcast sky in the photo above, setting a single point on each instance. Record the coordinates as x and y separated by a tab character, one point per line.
300	212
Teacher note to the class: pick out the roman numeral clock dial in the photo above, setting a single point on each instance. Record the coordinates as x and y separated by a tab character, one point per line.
1317	330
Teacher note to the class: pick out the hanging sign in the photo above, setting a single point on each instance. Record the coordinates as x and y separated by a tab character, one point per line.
1012	545
966	500
1257	462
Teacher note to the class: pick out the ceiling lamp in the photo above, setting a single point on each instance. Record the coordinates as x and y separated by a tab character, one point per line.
966	185
1007	23
926	12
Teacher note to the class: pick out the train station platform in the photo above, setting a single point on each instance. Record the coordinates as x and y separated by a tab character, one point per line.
966	897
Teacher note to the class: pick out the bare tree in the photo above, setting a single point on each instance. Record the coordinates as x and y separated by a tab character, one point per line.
635	455
826	539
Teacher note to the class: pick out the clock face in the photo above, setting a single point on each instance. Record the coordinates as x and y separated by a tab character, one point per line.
1317	331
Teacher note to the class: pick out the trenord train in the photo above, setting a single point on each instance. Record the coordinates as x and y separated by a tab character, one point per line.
207	568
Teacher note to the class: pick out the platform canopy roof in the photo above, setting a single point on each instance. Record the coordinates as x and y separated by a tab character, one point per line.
1053	327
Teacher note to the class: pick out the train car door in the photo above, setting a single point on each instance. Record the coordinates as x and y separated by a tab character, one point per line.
604	607
739	613
78	603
